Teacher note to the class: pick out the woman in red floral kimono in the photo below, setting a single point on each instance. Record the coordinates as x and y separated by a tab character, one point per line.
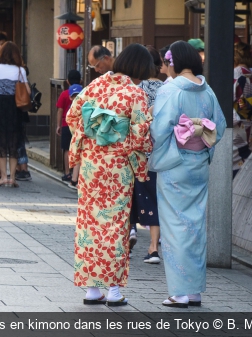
109	121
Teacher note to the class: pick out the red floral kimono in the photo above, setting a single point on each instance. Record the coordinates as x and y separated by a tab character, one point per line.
106	180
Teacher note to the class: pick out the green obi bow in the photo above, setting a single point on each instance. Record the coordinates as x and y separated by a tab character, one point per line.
104	125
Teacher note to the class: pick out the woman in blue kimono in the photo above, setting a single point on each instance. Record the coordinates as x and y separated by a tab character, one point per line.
187	123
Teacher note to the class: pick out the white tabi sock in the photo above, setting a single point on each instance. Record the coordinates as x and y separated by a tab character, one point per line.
114	294
179	299
93	293
182	299
195	297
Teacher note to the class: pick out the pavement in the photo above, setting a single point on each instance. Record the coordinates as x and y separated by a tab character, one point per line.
37	223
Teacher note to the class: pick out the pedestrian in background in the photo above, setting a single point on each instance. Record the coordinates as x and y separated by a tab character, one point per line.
11	71
22	172
3	39
63	105
100	59
182	150
110	125
165	69
199	45
242	89
144	203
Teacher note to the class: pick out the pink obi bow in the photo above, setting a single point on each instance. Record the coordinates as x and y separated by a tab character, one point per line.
188	128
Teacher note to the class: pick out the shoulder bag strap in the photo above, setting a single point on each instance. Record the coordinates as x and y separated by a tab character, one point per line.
20	73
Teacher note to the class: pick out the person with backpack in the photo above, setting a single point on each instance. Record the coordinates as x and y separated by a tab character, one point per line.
11	66
241	111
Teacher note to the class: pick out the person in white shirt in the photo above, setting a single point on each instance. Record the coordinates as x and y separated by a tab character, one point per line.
11	71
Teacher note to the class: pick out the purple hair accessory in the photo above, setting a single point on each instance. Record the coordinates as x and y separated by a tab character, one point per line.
168	56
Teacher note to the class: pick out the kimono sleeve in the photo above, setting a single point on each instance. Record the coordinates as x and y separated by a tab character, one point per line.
165	154
140	139
218	118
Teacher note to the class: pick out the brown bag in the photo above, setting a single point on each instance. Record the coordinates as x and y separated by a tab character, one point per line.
22	97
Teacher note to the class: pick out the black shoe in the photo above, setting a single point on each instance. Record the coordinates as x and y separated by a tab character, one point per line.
73	185
66	177
152	258
23	175
132	240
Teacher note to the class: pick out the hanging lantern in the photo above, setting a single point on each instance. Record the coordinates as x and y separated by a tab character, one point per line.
70	36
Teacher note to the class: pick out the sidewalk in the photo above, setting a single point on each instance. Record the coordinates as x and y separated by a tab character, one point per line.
37	224
39	151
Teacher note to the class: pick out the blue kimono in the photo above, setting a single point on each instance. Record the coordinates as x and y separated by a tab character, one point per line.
182	182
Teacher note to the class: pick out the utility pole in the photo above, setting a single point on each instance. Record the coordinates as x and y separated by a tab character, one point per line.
87	39
23	34
218	69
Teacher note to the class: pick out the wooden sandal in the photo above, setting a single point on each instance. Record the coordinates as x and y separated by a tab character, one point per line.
170	302
122	301
101	300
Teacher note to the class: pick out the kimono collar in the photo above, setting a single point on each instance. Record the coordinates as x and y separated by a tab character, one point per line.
185	84
110	77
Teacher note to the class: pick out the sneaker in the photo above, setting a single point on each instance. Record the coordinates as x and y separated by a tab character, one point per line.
132	239
130	254
27	175
23	175
152	258
73	185
66	177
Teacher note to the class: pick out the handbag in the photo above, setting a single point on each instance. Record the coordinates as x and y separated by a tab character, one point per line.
35	99
22	97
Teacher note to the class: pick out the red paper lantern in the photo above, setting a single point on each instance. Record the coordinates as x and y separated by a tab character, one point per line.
70	36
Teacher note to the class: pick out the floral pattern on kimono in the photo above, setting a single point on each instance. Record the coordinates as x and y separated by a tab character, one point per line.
106	180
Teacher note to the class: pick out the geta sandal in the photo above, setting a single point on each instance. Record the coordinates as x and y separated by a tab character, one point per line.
194	303
101	300
122	301
170	302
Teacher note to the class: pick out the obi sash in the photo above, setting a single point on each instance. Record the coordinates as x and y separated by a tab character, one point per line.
195	133
104	125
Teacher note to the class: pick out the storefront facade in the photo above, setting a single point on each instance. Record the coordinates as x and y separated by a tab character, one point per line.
33	24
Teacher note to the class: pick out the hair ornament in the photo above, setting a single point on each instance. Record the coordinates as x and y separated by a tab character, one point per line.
168	56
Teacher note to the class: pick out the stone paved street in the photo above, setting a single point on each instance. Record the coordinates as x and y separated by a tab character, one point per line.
36	260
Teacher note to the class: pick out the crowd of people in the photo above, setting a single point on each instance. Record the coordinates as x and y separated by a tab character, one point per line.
138	151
